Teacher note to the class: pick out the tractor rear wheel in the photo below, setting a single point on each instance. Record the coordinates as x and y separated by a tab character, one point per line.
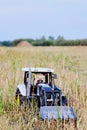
19	98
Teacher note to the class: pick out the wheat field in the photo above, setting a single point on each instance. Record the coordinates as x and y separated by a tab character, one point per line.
69	63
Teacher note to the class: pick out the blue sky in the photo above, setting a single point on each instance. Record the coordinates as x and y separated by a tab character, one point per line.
35	18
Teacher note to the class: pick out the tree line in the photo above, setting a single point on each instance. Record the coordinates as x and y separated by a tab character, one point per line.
50	41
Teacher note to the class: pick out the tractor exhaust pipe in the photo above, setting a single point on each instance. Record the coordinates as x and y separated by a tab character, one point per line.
29	84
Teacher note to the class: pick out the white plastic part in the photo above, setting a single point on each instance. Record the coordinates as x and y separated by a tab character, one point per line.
22	89
38	69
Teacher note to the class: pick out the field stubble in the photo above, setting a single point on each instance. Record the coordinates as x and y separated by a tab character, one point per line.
70	64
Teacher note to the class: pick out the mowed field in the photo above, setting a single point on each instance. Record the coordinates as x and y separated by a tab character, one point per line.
69	63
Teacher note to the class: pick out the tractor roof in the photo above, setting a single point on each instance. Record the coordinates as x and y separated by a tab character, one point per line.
37	69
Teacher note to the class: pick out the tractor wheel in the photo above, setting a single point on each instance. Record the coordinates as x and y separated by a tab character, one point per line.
64	101
19	98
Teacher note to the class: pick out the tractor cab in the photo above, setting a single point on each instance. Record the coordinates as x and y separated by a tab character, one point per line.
38	75
35	76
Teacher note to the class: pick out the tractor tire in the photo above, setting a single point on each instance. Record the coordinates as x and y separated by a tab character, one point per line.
20	100
64	101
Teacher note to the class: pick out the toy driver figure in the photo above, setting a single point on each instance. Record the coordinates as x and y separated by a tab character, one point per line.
39	78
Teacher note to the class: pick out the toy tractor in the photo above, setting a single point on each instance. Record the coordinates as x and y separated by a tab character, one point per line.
39	84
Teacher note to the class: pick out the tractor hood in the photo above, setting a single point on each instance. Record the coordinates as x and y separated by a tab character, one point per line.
45	87
57	112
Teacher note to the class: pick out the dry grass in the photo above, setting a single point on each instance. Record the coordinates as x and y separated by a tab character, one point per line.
70	63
